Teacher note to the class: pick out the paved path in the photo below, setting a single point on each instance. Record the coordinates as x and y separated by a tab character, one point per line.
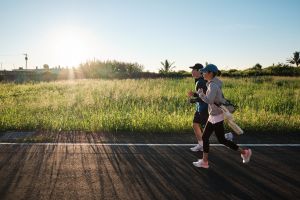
145	172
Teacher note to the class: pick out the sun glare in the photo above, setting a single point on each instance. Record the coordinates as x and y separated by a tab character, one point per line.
70	47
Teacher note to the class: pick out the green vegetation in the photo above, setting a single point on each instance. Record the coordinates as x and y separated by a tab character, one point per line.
266	104
166	67
275	70
295	59
121	70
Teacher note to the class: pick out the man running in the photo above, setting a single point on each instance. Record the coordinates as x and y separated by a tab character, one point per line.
201	113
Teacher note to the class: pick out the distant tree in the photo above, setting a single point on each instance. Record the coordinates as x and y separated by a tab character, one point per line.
232	70
183	71
295	59
46	66
167	67
134	68
109	69
257	66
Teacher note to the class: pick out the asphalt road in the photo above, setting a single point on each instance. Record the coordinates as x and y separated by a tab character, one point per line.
145	172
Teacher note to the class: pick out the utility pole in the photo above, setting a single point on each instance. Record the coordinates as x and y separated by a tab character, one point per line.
26	58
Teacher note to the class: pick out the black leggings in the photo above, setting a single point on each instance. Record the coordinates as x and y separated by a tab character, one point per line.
219	131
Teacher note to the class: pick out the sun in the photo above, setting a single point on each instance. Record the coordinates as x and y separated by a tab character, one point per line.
70	46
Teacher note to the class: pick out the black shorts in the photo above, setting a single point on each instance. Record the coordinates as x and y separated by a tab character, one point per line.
201	118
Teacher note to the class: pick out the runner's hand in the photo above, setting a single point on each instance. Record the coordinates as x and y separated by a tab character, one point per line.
200	91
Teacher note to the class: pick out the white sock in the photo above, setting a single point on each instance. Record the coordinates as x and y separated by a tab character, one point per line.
200	142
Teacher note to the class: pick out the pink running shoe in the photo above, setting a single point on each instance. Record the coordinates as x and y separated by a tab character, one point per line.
201	163
196	148
246	157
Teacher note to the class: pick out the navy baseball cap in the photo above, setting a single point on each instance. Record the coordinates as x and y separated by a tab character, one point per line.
210	68
197	66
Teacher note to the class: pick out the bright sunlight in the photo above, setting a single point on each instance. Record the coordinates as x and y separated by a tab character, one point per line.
70	46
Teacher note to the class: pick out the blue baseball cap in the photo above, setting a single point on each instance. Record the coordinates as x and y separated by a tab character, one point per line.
210	68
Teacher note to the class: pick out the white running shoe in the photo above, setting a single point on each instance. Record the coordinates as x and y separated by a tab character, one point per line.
196	148
201	163
229	136
246	157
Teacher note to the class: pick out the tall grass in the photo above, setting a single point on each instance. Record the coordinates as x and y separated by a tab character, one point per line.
146	105
266	104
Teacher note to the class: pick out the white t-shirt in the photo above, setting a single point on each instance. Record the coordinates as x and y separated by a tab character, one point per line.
216	118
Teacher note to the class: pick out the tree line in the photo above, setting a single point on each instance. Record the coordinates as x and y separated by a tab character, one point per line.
119	70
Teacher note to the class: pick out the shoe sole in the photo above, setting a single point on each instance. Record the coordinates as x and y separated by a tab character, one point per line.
205	167
196	150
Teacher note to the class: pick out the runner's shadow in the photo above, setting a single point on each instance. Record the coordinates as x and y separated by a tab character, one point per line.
162	173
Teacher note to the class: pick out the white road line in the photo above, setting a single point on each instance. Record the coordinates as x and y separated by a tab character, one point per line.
142	144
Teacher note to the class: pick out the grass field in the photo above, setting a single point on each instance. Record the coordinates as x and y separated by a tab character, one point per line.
266	104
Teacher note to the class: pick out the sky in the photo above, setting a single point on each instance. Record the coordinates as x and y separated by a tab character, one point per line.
232	34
